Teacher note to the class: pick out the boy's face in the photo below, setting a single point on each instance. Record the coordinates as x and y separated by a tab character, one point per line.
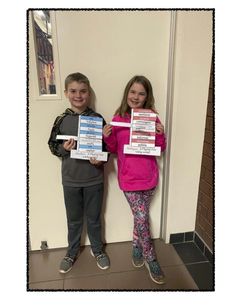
78	94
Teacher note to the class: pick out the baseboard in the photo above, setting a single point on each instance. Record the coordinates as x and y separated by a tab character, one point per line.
192	237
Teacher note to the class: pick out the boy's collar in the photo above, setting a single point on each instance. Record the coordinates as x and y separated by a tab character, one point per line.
71	111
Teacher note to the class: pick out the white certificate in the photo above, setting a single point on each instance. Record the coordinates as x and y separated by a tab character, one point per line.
89	143
151	151
142	133
120	124
64	137
87	154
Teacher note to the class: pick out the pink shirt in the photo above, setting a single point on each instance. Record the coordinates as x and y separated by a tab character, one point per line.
135	172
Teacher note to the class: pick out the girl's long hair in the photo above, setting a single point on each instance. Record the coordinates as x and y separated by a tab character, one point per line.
150	101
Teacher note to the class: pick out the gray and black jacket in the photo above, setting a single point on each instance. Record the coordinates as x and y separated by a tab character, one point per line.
75	172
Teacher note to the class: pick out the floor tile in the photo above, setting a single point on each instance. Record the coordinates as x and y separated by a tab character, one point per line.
166	253
44	266
130	280
120	256
189	253
96	282
51	285
202	274
122	275
177	278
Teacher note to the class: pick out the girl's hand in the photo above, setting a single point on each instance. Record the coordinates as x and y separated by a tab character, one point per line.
107	130
159	128
70	144
95	162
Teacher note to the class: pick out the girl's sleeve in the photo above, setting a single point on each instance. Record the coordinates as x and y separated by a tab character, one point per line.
161	139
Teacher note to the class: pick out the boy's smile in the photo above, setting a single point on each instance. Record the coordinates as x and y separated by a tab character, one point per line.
78	95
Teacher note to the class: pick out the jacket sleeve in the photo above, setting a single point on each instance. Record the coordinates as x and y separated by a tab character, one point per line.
56	146
161	139
104	145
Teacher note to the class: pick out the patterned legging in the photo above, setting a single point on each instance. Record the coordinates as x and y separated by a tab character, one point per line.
139	202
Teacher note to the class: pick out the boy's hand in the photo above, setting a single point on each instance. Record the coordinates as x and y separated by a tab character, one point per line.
96	162
70	144
107	130
159	128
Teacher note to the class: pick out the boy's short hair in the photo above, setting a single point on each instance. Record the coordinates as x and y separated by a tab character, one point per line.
76	77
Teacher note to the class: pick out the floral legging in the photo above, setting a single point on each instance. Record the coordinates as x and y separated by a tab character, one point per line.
139	202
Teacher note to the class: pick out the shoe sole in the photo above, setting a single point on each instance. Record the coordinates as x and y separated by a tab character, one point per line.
103	268
154	280
137	266
63	271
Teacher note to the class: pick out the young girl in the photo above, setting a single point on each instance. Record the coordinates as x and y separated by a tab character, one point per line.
138	175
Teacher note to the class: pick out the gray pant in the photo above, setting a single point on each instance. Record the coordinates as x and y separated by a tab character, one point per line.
80	201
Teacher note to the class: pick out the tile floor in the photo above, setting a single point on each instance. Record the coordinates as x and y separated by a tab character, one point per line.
200	268
43	270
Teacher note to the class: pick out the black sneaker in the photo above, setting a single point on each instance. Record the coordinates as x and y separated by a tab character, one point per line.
102	259
155	272
66	264
137	257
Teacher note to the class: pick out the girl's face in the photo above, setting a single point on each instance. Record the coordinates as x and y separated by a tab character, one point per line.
78	95
136	96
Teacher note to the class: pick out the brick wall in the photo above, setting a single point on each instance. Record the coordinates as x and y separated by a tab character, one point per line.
205	215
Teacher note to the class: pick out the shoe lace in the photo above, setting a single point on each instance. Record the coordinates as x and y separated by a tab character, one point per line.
101	255
68	259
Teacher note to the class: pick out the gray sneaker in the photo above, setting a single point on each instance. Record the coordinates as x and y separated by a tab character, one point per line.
137	257
102	259
155	272
66	264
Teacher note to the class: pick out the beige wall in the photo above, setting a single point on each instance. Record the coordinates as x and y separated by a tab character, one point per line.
191	82
109	47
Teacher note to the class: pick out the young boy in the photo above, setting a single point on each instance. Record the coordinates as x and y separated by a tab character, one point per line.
82	179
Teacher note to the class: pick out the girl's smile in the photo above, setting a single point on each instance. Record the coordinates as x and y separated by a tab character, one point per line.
136	96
